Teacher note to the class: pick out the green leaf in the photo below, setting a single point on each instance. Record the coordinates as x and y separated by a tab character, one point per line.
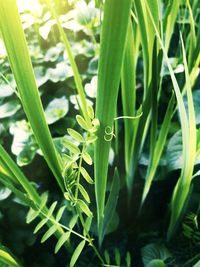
87	225
8	109
74	134
4	193
32	214
45	220
61	241
69	145
112	47
91	112
5	90
61	72
87	158
156	263
128	259
83	124
56	109
73	221
77	253
17	50
117	257
84	193
154	252
7	258
40	225
24	145
60	213
196	100
197	264
49	233
107	257
158	148
84	207
86	176
110	204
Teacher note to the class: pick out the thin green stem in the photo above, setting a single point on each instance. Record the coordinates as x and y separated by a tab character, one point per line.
77	77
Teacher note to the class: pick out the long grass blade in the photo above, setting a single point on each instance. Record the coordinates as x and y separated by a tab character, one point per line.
188	126
128	85
182	189
22	69
158	149
113	40
169	20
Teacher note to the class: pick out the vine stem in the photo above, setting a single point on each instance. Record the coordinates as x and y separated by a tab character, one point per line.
78	210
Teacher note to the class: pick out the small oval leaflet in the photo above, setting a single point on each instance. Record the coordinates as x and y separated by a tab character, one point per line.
84	208
86	175
84	193
49	233
74	134
83	124
77	253
87	158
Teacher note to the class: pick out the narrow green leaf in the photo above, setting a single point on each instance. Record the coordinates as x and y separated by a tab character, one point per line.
84	207
169	20
32	214
74	134
77	253
117	257
128	259
86	175
158	149
70	146
40	225
45	220
128	84
83	124
7	258
87	158
17	50
112	47
73	221
60	213
110	204
182	189
84	193
64	238
49	233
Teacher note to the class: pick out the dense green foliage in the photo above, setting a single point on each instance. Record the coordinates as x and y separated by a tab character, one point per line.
99	133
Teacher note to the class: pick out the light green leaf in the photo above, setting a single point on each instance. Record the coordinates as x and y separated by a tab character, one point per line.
84	193
49	233
77	253
86	175
8	109
4	193
82	122
84	207
60	213
154	252
112	48
56	109
74	134
5	90
17	51
61	241
87	158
